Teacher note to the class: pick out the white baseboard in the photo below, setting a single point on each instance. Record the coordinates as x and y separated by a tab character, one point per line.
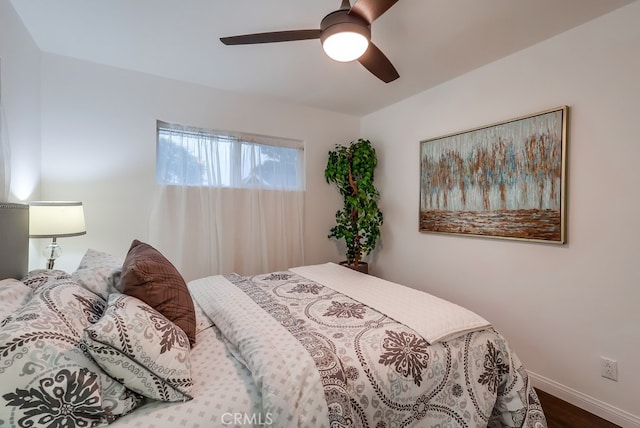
590	404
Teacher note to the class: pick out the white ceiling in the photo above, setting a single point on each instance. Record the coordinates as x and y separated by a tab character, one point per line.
428	41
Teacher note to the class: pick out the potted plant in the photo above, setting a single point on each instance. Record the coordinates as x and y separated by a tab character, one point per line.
351	169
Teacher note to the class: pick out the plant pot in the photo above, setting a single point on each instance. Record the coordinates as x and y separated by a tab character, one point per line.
362	266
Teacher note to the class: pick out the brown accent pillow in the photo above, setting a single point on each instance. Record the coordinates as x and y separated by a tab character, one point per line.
147	275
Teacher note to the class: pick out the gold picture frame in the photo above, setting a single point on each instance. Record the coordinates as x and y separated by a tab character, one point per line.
506	180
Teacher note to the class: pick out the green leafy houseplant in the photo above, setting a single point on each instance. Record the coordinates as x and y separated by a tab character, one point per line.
351	169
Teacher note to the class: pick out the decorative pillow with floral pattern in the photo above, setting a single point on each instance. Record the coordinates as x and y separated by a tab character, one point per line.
141	348
47	377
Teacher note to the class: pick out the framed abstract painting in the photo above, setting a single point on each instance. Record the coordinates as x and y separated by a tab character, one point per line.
506	180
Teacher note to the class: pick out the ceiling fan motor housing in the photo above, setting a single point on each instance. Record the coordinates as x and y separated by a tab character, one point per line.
341	21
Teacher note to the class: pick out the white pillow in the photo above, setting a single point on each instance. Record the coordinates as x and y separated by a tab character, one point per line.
98	272
141	348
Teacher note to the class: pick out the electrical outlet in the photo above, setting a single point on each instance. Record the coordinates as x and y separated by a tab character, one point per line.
609	368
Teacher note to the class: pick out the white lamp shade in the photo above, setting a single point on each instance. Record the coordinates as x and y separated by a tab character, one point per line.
344	37
345	46
56	219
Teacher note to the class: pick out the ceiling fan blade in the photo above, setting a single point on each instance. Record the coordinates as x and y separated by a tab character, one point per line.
371	9
378	64
276	36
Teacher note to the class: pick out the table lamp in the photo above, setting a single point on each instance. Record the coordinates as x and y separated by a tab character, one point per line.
54	219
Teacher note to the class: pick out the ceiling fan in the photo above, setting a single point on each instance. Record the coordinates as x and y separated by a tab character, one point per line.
345	35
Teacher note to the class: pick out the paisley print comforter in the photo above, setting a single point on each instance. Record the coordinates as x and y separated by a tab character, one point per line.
320	358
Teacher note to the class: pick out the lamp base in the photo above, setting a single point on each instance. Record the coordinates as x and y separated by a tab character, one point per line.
51	252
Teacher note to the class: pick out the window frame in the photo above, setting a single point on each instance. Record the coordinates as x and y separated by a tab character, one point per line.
239	140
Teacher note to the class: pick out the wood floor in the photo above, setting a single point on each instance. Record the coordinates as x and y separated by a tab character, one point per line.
561	414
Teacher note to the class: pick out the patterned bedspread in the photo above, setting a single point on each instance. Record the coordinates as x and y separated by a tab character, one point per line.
356	367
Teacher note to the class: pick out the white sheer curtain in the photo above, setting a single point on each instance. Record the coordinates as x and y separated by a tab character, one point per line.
227	203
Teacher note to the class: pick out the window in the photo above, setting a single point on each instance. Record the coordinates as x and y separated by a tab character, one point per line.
198	157
229	202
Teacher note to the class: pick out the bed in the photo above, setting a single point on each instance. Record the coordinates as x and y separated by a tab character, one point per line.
313	346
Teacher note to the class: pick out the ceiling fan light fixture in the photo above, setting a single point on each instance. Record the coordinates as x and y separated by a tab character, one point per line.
344	37
345	45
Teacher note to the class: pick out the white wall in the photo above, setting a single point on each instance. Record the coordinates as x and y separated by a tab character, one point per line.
20	85
99	137
561	307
